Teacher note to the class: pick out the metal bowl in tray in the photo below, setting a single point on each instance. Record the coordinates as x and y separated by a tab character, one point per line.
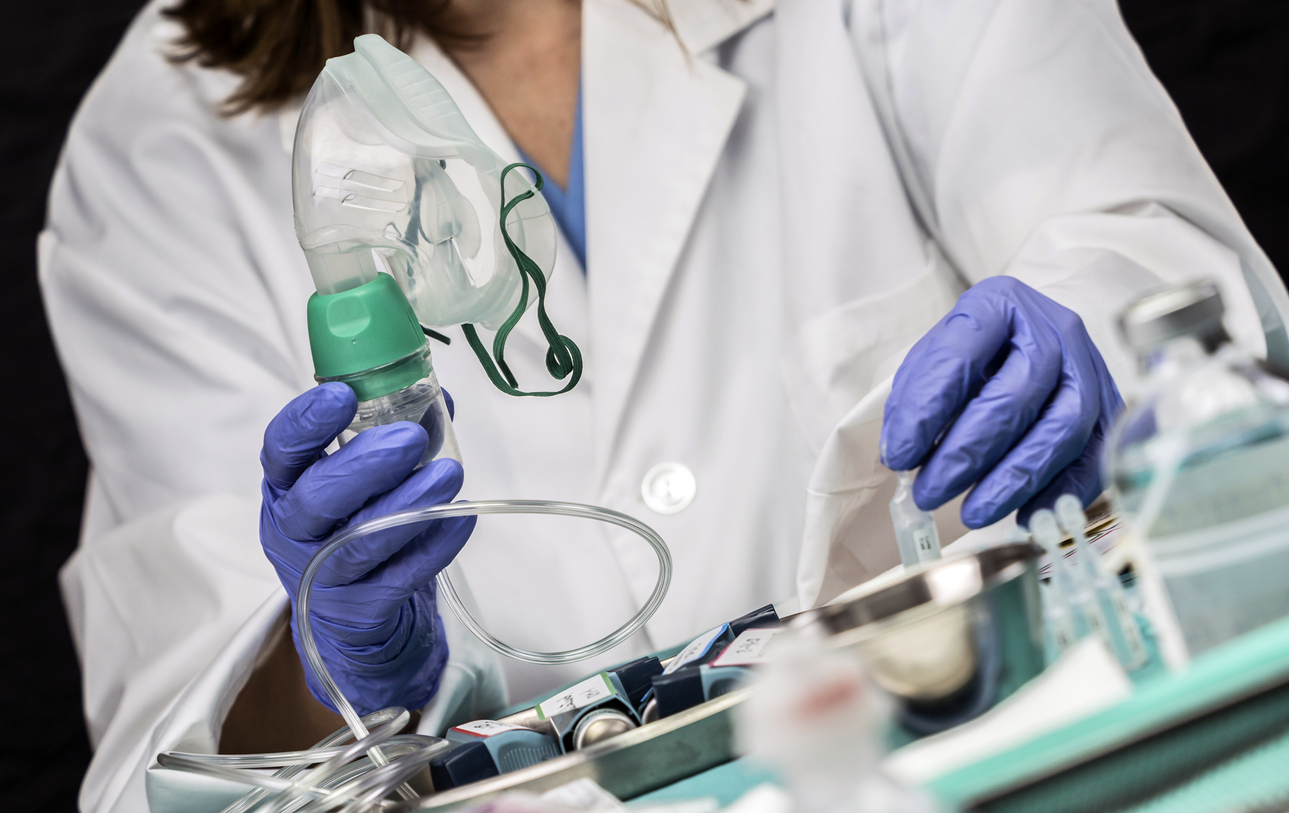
950	639
627	765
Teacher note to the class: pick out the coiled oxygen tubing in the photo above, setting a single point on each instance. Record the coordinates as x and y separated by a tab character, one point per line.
361	775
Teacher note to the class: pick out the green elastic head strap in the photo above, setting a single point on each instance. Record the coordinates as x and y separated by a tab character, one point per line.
562	355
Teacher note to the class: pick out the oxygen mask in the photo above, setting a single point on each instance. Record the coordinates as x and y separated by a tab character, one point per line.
387	176
409	222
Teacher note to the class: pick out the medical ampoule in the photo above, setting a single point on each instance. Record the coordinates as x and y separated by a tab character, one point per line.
1125	634
1058	612
1079	594
915	531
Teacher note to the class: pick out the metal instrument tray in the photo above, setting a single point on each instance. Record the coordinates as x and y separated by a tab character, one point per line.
630	764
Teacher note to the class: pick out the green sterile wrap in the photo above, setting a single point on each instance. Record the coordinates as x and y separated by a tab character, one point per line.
1218	723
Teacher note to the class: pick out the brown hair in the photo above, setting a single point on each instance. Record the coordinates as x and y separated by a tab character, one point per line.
279	47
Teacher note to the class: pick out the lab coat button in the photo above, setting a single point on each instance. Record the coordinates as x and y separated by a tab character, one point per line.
669	488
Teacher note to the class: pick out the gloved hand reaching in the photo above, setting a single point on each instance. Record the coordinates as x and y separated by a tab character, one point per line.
373	603
1007	392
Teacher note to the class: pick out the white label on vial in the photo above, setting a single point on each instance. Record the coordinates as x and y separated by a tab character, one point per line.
923	543
1096	623
580	696
751	647
695	650
485	728
1131	632
1063	635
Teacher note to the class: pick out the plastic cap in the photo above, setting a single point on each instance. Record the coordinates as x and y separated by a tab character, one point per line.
678	691
1193	309
1069	510
462	765
637	678
757	619
368	337
1042	524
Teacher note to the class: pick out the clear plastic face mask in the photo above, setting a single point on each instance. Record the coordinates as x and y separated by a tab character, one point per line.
388	175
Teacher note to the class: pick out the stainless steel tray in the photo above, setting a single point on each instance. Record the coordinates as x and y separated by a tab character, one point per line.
965	630
627	766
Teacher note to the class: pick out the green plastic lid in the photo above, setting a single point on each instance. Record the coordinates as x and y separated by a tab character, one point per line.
367	337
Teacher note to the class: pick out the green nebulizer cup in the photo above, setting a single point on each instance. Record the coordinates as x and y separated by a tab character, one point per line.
368	338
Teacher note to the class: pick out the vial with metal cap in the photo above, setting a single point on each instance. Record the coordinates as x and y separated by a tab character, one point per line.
485	748
1199	465
589	712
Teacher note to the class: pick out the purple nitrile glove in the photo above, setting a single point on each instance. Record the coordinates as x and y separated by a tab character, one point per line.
1007	393
373	610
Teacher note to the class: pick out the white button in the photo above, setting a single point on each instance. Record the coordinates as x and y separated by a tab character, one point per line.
669	488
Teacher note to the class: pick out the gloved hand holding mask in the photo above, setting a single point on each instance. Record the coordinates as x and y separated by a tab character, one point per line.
1007	393
373	604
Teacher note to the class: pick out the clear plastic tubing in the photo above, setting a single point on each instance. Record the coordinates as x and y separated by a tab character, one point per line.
337	782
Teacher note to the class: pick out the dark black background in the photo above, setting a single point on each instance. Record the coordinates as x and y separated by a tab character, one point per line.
1226	62
49	53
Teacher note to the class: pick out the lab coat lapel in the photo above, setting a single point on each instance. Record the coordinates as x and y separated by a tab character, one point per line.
655	120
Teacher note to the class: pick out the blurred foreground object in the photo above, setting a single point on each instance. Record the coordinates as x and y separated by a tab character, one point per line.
1209	739
816	717
1200	466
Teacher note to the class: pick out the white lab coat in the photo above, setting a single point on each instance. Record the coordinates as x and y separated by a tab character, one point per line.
773	218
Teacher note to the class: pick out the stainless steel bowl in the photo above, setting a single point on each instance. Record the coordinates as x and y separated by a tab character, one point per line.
950	639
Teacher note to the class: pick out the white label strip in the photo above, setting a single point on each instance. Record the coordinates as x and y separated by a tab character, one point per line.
752	647
580	696
583	795
485	728
922	542
695	650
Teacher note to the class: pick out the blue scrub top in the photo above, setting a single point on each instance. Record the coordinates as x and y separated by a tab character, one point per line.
568	204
